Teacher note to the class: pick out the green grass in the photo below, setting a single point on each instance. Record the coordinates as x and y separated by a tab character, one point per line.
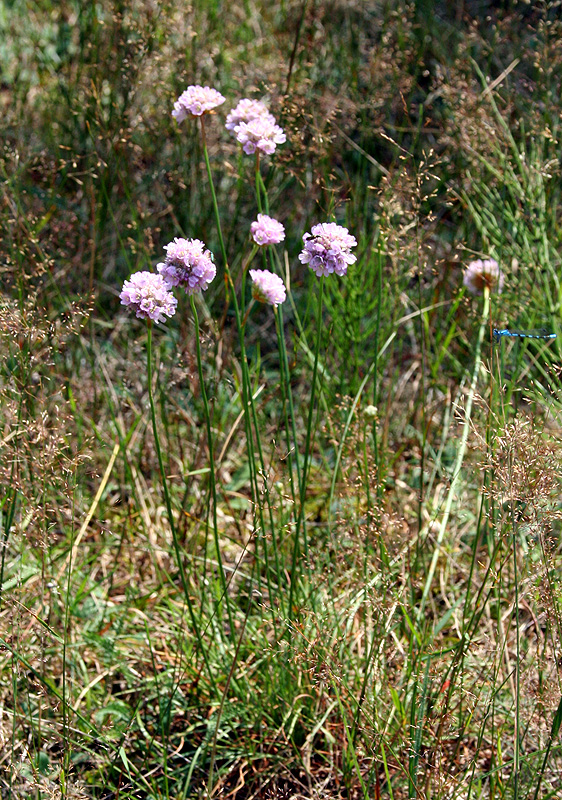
311	552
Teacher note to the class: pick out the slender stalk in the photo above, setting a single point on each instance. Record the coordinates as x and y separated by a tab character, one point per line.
228	276
281	341
214	197
242	277
258	182
308	444
169	507
250	417
252	420
287	396
262	201
249	414
246	386
211	460
264	474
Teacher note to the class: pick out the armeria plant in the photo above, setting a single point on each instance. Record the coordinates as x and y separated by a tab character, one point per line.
190	266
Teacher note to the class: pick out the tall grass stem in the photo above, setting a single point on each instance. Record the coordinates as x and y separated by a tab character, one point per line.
461	451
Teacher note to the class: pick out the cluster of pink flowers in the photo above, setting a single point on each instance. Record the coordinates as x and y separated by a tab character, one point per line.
260	134
483	273
255	127
327	249
267	287
250	121
188	265
196	100
245	111
267	230
149	296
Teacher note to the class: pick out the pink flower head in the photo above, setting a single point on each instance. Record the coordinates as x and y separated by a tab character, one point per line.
267	287
245	111
328	249
188	264
196	100
149	296
260	133
267	230
480	274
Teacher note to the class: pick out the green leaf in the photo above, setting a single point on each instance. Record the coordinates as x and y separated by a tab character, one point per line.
557	721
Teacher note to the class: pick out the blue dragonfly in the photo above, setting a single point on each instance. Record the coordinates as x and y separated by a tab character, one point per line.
536	333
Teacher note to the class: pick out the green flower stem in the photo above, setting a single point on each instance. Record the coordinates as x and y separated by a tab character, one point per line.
262	202
257	182
285	362
264	474
301	523
252	420
247	398
246	388
214	198
247	406
261	192
211	460
243	278
288	394
288	411
261	184
169	508
247	402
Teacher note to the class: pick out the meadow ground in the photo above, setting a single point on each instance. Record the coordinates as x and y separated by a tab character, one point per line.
294	536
